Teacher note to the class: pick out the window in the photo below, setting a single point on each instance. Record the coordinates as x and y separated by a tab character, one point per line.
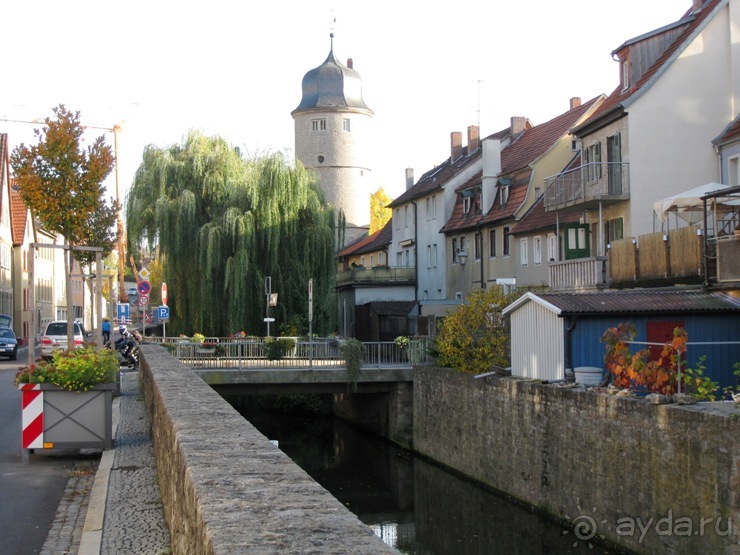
372	257
492	242
345	124
399	259
504	194
466	205
507	240
462	244
429	208
524	251
398	218
318	124
537	250
429	256
406	216
478	246
454	250
614	230
362	261
733	171
434	208
625	74
434	256
592	159
552	247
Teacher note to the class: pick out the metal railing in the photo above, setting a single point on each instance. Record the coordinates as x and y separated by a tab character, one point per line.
603	181
376	274
243	353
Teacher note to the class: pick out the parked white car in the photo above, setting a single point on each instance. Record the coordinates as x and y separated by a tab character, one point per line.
55	337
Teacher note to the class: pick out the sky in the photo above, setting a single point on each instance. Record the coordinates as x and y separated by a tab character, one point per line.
158	68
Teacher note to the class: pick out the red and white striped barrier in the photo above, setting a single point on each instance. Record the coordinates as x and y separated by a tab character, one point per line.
32	436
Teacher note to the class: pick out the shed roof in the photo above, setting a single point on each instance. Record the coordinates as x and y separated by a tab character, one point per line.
638	301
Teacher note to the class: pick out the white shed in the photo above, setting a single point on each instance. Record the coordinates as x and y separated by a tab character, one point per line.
537	338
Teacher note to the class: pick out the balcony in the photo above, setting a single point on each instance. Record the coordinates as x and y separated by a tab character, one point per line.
377	275
580	274
587	186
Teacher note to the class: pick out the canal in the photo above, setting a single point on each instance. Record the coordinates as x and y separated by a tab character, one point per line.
414	506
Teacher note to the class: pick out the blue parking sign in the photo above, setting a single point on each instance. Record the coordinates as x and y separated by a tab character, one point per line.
124	314
163	313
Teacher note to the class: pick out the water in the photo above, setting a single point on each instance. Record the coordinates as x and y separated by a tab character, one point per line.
414	506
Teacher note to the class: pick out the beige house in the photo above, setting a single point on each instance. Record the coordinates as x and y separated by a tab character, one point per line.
652	137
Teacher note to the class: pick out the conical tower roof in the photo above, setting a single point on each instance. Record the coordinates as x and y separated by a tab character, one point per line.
332	85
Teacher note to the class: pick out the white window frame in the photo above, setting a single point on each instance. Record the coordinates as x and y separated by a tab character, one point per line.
466	204
524	251
537	250
434	255
346	125
318	125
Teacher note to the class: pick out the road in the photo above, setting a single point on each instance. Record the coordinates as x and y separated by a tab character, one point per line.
29	492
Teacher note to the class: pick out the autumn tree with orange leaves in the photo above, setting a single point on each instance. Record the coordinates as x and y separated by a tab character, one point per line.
61	182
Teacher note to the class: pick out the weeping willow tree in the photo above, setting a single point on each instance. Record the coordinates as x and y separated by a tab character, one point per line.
223	223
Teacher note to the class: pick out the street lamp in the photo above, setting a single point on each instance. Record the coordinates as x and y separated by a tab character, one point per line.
462	257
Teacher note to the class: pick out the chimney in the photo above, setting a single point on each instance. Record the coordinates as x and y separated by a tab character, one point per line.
575	102
473	139
455	145
518	124
409	178
491	170
350	63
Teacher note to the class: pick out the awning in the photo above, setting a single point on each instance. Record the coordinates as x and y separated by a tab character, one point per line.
688	205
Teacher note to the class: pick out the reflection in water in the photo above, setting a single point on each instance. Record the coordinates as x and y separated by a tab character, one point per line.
412	505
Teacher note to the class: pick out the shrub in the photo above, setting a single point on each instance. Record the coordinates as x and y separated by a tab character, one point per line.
353	351
276	349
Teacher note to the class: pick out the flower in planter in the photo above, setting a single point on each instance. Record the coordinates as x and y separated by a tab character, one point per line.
199	338
75	370
401	341
218	349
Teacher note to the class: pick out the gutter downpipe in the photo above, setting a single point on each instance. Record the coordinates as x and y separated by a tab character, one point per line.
705	253
416	262
569	342
482	282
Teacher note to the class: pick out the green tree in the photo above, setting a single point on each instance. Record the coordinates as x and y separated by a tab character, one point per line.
62	184
223	223
476	336
379	214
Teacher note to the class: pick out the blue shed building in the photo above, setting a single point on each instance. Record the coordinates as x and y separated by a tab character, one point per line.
554	331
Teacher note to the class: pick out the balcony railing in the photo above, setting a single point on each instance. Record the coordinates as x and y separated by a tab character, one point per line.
378	274
583	273
584	187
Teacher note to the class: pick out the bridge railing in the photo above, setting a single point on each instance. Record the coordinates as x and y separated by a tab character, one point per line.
250	352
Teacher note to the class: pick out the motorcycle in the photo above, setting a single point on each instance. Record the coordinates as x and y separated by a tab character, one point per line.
127	347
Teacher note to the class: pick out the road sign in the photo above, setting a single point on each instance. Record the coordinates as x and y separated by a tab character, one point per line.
163	313
124	314
273	299
144	274
147	318
268	319
164	294
144	287
144	300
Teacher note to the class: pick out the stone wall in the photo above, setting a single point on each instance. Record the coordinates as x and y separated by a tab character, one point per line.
655	479
225	487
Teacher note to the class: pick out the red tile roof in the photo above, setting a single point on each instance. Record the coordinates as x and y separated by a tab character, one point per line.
370	243
619	99
18	215
539	219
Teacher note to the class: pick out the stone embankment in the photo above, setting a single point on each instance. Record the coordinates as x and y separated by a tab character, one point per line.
652	478
225	487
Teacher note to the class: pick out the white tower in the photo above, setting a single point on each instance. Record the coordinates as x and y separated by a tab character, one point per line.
332	136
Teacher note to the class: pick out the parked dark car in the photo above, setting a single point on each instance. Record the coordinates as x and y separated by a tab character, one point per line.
8	343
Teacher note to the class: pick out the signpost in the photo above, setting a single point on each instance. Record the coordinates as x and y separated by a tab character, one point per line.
163	314
268	293
310	324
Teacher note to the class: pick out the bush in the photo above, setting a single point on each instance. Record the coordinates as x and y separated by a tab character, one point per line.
475	337
353	351
276	349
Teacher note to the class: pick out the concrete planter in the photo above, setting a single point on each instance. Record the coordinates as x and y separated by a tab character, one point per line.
55	418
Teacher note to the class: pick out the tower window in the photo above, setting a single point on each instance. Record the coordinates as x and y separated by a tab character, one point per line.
318	124
345	124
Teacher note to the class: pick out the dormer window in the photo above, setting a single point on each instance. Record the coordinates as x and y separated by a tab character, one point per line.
625	74
504	194
466	204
